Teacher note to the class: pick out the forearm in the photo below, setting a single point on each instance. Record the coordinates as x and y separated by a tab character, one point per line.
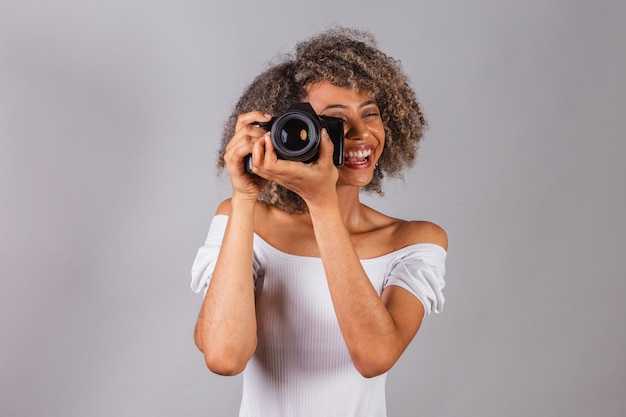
372	338
226	328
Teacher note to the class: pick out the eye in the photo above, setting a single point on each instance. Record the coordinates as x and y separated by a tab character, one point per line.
370	111
371	115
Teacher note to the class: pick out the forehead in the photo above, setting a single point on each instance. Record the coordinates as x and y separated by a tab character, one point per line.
325	93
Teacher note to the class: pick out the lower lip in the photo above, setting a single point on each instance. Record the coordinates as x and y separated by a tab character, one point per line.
363	165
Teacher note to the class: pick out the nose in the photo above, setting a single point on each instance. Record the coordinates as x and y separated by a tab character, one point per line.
355	129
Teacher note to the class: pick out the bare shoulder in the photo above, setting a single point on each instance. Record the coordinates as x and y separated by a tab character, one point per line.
394	233
261	209
223	207
419	231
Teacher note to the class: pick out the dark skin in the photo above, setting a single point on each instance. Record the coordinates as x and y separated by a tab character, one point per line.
338	228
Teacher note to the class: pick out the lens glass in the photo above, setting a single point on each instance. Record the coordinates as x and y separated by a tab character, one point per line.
295	134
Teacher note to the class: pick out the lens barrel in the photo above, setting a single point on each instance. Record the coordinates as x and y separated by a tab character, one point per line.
296	136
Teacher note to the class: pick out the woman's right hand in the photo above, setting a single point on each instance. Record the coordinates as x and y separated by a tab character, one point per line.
245	185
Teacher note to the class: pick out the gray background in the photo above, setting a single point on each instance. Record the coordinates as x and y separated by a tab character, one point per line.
110	113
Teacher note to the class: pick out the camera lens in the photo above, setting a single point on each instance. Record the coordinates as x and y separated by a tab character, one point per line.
295	134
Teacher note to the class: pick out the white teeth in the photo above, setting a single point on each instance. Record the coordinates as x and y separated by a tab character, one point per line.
358	154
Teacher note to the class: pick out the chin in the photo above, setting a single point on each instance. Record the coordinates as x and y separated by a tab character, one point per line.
354	177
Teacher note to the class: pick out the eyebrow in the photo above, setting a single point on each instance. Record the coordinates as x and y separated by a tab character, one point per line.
343	106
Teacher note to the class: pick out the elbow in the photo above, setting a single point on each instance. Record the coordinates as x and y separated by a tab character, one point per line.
372	370
225	365
371	366
374	359
224	360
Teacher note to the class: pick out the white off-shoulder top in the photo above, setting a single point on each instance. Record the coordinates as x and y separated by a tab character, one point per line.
301	366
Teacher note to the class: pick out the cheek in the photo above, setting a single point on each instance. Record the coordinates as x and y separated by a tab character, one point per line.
378	130
379	152
379	133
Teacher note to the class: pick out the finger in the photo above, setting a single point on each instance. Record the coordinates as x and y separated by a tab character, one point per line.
235	158
237	140
259	152
327	148
246	130
246	134
270	152
246	119
239	147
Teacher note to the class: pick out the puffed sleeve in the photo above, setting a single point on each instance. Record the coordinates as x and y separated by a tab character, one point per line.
421	270
206	258
204	264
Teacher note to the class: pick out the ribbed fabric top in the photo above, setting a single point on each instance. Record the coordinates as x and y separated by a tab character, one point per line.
301	366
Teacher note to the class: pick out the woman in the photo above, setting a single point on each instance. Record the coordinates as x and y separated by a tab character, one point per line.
312	293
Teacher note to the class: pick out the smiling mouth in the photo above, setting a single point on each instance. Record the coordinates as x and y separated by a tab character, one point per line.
357	157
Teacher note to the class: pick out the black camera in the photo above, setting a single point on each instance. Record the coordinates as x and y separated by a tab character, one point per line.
296	135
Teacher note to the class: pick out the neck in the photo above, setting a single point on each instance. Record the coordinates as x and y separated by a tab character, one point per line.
350	206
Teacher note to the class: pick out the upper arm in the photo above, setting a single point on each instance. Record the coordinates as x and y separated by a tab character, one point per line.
406	311
405	308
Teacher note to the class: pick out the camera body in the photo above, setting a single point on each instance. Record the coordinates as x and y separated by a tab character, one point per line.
296	135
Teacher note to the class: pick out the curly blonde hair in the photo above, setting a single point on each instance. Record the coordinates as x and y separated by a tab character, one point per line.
347	58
